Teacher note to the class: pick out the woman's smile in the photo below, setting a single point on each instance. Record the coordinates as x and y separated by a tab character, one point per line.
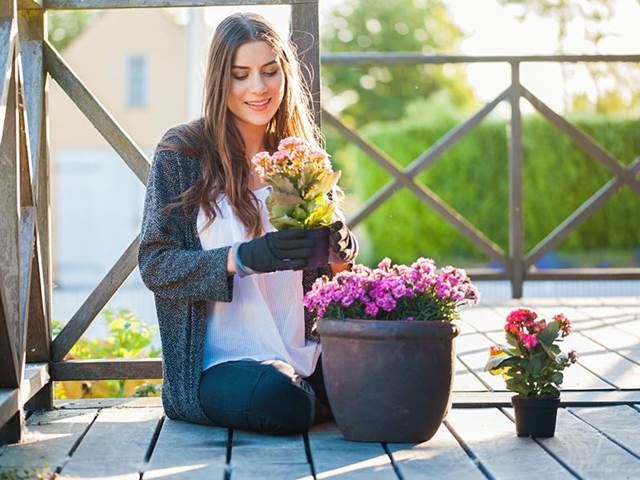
259	106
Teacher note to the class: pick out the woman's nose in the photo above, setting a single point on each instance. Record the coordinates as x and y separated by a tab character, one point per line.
259	86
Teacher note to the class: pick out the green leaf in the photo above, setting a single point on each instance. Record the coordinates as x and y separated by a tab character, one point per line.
557	378
549	334
287	200
285	222
536	363
282	184
324	185
514	342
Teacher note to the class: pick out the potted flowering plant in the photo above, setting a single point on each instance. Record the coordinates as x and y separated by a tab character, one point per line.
388	346
301	178
532	365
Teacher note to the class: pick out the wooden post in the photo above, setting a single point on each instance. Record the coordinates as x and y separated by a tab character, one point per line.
305	34
516	227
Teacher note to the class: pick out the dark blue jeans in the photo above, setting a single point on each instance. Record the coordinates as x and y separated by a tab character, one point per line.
268	397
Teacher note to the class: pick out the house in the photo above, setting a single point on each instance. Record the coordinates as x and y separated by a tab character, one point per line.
136	63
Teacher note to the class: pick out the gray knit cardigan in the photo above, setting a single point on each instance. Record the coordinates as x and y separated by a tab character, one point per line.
183	278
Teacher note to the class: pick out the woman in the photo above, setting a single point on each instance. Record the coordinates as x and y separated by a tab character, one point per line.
238	348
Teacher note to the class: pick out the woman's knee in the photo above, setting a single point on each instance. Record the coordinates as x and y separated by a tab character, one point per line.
281	404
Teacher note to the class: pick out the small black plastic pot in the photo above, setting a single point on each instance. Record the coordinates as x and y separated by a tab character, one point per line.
535	416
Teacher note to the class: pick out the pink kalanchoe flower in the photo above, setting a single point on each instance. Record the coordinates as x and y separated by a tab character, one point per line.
530	341
573	356
565	324
290	143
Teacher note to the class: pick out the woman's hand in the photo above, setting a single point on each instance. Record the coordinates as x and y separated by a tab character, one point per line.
343	246
286	250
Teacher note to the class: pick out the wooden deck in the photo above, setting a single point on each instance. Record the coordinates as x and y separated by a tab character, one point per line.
596	437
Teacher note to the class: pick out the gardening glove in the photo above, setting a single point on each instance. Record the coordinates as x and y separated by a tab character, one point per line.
286	250
343	245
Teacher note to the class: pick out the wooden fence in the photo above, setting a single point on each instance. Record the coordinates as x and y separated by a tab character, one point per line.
30	360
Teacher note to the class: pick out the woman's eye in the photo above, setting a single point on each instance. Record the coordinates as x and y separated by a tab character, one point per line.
240	77
271	74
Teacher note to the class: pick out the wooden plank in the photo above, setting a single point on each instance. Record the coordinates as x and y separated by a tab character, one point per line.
9	404
97	114
491	436
619	423
115	445
95	302
395	58
49	437
473	351
335	457
587	452
441	457
120	402
613	338
188	451
568	398
9	286
98	369
607	364
256	456
110	4
36	376
8	38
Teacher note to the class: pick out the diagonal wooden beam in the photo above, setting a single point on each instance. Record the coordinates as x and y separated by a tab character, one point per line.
426	159
8	36
583	141
96	301
9	289
582	213
27	240
422	192
97	114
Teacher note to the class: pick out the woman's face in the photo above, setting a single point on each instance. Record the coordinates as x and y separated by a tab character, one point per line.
257	84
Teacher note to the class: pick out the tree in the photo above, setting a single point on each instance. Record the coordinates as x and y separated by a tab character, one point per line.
614	83
382	92
64	27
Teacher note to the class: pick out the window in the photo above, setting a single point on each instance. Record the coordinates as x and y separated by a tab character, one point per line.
137	82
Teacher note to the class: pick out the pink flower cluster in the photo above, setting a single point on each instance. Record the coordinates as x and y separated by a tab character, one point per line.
523	324
293	155
394	292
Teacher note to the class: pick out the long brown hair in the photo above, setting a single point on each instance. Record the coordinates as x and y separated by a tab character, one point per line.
214	138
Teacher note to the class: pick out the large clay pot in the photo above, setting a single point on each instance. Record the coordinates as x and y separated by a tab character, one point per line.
388	381
535	416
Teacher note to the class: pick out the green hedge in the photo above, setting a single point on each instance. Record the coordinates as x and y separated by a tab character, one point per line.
472	177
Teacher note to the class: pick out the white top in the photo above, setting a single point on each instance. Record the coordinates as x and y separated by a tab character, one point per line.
265	320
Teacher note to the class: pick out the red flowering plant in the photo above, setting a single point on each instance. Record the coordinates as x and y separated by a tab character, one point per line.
393	292
532	362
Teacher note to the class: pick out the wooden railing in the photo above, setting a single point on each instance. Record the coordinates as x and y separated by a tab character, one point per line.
516	264
29	360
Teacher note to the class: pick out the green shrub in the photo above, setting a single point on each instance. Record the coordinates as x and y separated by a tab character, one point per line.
472	178
129	338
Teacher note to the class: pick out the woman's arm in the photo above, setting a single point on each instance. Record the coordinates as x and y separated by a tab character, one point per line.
167	267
